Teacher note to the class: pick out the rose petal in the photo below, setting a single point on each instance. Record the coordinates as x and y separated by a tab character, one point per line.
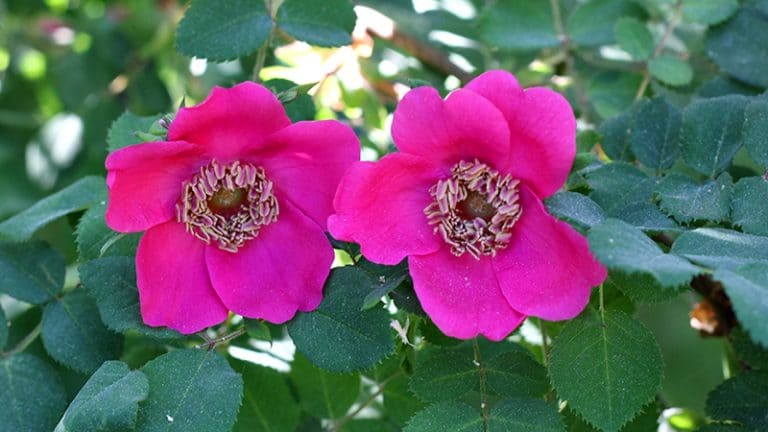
542	130
306	162
174	287
145	183
461	295
230	121
463	127
547	270
277	273
381	206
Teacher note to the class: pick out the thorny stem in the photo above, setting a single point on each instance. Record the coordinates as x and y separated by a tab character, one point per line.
24	343
342	421
213	343
545	351
660	47
483	391
602	303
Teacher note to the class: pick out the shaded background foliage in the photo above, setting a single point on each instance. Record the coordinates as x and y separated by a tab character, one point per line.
669	185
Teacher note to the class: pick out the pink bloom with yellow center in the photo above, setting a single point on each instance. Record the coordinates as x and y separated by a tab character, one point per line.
234	206
462	200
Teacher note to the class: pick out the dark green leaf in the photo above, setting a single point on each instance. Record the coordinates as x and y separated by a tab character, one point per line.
258	330
641	287
447	374
95	239
747	351
740	46
575	209
267	404
323	394
123	131
655	133
750	205
518	25
32	272
670	70
606	368
625	248
516	374
446	417
711	133
359	338
747	288
222	31
612	92
722	427
399	403
74	335
592	23
75	197
191	391
108	402
32	396
616	135
524	415
386	279
322	23
684	199
112	283
634	37
367	425
756	130
709	11
297	103
743	398
717	247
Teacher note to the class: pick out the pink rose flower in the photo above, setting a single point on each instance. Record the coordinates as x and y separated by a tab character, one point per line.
462	200
234	206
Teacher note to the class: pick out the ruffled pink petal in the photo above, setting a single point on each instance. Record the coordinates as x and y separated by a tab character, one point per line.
277	273
145	182
306	162
230	121
547	270
463	127
174	287
461	295
381	206
542	129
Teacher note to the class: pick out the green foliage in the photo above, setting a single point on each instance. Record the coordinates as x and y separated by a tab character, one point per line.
743	399
740	46
112	283
360	338
655	132
445	375
711	133
748	351
518	25
190	390
756	130
523	415
515	374
325	23
634	38
622	247
670	70
709	11
33	396
399	402
77	196
607	368
223	31
323	394
575	209
32	272
109	401
74	335
3	329
612	92
592	22
95	239
446	417
750	204
747	287
717	247
684	199
124	131
267	402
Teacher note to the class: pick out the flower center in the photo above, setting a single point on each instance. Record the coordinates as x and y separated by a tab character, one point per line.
475	209
227	204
